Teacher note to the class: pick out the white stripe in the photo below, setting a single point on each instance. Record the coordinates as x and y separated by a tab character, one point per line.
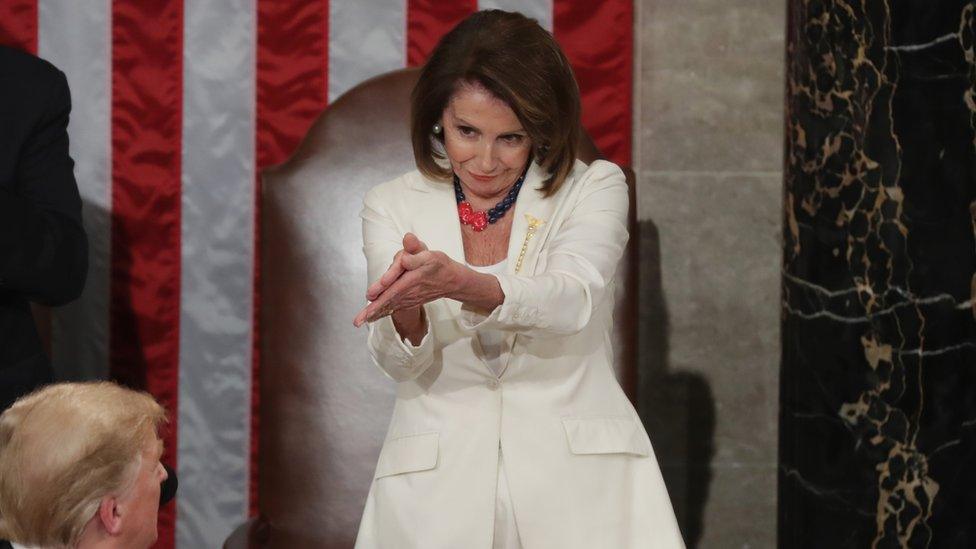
75	37
366	38
540	10
217	269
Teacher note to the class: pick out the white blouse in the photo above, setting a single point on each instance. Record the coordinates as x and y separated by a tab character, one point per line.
506	531
491	340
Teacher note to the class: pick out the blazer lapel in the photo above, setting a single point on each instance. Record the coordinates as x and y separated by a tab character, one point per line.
531	226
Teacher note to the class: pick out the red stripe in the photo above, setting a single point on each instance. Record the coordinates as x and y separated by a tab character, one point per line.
598	38
428	21
18	24
292	90
292	72
147	87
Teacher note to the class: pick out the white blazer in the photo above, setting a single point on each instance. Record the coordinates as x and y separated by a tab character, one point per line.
581	470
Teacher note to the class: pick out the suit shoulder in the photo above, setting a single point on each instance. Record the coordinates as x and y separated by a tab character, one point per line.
17	65
396	187
30	83
599	173
598	169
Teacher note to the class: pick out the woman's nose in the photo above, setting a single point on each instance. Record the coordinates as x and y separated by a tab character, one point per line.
486	158
163	475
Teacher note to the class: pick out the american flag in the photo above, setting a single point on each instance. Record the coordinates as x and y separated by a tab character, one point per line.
177	106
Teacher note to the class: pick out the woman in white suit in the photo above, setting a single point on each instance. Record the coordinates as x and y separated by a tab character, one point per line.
491	304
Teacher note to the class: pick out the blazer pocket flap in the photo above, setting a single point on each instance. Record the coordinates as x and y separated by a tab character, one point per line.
408	454
606	435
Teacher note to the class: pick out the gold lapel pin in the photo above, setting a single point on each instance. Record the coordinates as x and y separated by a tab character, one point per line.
534	224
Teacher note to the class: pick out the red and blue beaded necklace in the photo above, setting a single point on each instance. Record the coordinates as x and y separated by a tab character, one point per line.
480	220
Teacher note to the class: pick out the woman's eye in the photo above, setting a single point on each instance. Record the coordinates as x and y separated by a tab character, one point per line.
466	131
514	139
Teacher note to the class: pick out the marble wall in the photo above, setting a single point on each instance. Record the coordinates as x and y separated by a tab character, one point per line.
878	423
709	159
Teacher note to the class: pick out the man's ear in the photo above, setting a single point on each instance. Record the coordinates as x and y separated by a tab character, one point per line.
110	515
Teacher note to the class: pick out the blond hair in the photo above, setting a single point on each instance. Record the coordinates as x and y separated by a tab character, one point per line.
62	449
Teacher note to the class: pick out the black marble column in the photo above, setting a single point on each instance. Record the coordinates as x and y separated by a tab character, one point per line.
878	381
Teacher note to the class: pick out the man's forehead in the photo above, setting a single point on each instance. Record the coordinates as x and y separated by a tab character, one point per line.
154	447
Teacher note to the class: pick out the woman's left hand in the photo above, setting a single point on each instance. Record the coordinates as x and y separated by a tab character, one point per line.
426	276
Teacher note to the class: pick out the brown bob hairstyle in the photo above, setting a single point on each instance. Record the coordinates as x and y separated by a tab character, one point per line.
515	60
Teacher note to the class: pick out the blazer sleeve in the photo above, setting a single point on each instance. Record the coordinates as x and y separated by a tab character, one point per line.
43	246
583	253
382	239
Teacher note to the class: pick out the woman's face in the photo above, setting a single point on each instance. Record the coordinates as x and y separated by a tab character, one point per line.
485	142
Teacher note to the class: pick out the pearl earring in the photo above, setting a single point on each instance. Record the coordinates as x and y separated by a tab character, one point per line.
437	128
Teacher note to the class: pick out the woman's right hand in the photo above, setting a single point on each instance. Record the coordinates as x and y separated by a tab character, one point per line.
417	276
411	245
410	322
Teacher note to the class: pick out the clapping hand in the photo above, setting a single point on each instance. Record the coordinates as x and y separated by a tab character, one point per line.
416	276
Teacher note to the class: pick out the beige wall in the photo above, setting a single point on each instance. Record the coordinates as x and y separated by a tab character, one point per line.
708	158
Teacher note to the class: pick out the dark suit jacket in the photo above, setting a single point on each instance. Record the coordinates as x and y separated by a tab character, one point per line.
43	248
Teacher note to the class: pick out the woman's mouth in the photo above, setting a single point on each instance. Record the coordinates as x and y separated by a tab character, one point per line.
480	177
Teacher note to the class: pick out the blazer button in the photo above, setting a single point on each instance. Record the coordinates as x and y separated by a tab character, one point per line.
493	384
